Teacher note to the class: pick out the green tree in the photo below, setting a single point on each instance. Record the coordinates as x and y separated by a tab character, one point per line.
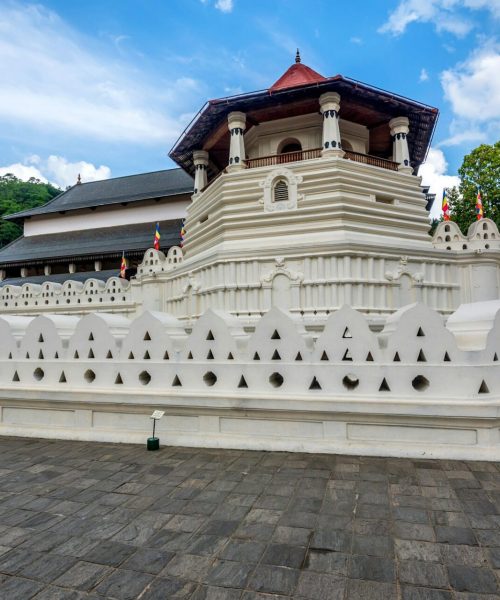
17	195
480	170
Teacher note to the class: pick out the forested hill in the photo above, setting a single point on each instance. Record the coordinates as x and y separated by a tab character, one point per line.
17	195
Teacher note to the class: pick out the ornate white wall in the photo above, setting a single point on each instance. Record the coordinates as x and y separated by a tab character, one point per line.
409	391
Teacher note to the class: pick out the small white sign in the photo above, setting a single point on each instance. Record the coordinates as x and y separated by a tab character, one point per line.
157	414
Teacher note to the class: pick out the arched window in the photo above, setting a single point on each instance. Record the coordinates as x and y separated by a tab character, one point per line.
280	191
289	145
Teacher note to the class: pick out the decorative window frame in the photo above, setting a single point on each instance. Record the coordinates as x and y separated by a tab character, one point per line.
268	184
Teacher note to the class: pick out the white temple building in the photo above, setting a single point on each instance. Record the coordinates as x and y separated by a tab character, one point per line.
309	309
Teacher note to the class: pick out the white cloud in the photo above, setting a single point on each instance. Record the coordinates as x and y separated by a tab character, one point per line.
445	15
224	5
53	79
433	173
473	90
57	169
356	40
424	76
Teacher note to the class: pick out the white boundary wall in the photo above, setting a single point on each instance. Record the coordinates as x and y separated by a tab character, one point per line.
410	391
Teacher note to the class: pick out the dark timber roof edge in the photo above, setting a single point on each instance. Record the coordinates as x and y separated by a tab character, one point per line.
49	207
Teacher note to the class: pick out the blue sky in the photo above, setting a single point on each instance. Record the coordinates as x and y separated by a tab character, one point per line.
104	87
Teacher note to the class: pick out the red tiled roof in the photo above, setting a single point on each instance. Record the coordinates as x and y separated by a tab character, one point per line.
297	74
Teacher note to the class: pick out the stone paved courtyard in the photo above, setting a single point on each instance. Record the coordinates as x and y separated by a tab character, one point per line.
92	521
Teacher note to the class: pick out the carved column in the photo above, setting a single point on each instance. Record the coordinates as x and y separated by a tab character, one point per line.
97	265
400	153
72	268
200	160
330	106
47	270
237	124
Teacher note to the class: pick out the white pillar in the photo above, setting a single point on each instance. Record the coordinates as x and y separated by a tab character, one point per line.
236	124
24	271
200	160
47	270
330	106
97	265
400	153
72	268
3	274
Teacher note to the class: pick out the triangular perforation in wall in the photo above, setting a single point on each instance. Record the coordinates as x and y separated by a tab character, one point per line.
56	355
166	355
396	358
256	356
369	357
347	333
91	337
483	388
347	355
230	356
62	378
109	354
76	355
210	355
176	382
131	356
40	355
421	356
147	337
16	376
210	335
10	356
446	357
276	355
27	354
40	338
384	386
299	356
495	357
315	385
91	354
146	356
276	335
119	380
242	383
420	332
190	355
324	356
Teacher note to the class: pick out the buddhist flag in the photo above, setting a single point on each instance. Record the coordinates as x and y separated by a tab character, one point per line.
479	206
123	267
183	235
156	244
445	206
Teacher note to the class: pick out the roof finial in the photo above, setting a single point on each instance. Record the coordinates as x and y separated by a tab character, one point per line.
297	56
78	180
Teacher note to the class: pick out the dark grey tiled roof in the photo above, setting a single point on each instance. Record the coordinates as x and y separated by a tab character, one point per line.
113	191
62	277
90	242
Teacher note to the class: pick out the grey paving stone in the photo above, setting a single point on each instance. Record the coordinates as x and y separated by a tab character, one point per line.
414	531
420	593
372	545
372	568
109	553
82	576
17	587
456	535
14	561
124	585
243	551
324	561
292	535
148	560
317	586
410	515
417	572
370	590
331	540
189	567
228	573
471	556
273	580
48	567
471	579
417	550
494	555
76	546
216	593
284	555
57	593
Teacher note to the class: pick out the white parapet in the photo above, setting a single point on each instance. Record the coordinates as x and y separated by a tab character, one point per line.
409	391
